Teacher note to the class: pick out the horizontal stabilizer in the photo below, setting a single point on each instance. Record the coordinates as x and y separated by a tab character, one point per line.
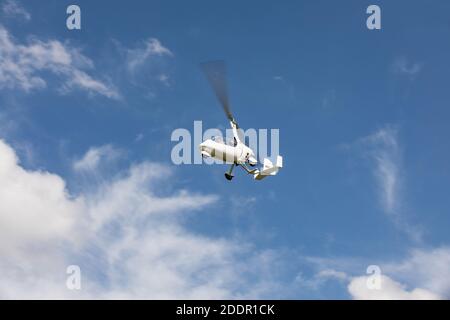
269	169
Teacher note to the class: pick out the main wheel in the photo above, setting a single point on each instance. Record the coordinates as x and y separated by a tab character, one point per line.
228	176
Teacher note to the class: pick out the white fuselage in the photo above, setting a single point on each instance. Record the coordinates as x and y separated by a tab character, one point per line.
227	153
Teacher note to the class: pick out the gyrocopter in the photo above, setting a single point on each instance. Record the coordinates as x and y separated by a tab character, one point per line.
236	153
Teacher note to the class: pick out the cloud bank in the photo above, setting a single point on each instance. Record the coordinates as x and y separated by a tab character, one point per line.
127	233
389	290
422	274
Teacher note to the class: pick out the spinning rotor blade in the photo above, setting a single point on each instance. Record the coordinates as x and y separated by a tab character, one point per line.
215	72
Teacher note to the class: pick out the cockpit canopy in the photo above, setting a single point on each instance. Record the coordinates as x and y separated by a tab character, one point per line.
220	139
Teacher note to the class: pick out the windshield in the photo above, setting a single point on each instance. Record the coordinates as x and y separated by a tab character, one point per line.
219	139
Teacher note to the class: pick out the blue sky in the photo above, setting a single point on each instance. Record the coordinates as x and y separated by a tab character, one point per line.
363	131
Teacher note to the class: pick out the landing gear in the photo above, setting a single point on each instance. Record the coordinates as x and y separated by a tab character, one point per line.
229	175
249	171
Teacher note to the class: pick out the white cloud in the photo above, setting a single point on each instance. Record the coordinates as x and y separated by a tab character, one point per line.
164	79
332	274
427	268
422	274
151	47
389	290
384	151
22	66
127	233
93	157
12	8
147	65
33	205
82	80
386	154
318	279
243	204
405	67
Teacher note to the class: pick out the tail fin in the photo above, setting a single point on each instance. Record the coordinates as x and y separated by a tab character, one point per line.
269	169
